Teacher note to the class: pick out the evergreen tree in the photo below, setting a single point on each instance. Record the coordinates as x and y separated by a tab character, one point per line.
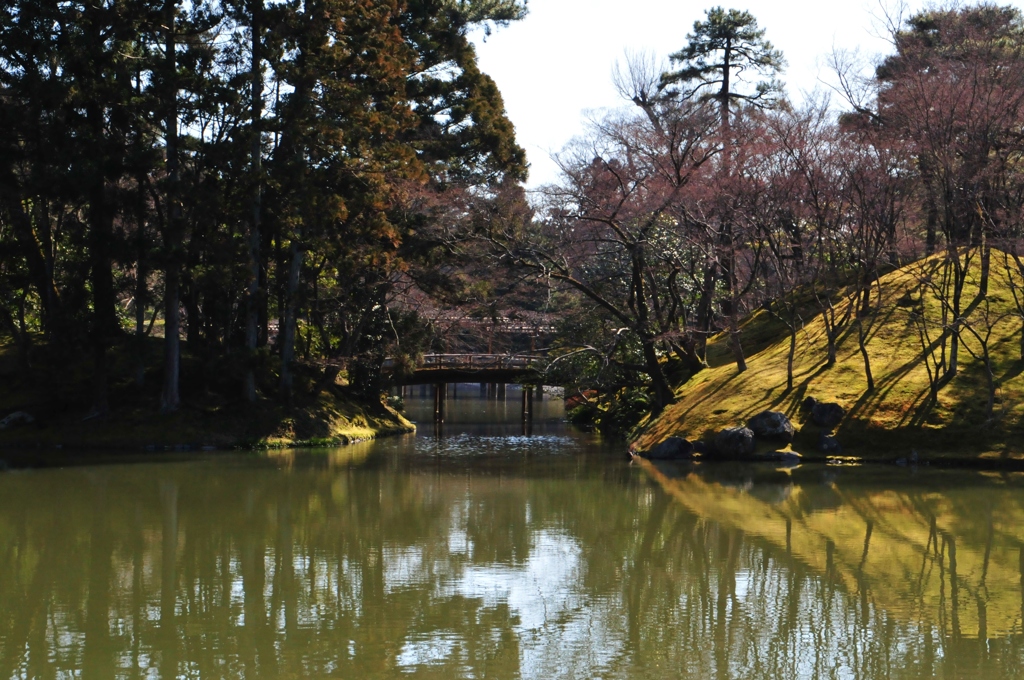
727	44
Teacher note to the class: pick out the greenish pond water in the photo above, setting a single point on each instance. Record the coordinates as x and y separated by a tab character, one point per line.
486	553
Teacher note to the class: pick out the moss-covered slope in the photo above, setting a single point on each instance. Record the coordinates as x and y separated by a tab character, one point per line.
899	413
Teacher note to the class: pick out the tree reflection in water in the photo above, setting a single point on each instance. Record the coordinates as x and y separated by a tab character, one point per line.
316	566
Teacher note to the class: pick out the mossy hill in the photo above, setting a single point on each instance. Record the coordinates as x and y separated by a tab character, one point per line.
898	416
322	412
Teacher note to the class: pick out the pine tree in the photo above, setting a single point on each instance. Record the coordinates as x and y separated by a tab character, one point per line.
721	48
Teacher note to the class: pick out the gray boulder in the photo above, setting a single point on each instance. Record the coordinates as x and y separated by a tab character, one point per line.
772	425
808	404
15	419
826	415
673	448
735	442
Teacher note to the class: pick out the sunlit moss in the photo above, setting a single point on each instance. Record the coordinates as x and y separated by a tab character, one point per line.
899	413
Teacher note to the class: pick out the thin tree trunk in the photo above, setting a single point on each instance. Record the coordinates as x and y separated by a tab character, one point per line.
104	324
959	277
256	160
662	392
141	290
986	266
991	380
170	399
861	339
792	354
734	327
291	311
704	309
663	395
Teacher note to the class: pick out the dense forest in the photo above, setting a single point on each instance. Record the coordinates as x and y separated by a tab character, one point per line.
260	183
239	170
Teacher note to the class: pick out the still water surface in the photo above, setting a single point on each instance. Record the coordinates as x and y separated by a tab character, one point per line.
484	553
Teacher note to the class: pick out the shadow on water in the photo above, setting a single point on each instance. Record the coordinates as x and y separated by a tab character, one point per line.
486	553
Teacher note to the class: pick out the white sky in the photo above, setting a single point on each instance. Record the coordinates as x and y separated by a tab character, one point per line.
556	64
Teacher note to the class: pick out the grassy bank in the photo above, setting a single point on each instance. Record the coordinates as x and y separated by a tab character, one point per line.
212	415
899	415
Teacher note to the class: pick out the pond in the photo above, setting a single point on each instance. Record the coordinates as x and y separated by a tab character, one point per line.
483	552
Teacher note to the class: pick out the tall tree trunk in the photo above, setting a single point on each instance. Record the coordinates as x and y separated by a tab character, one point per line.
255	215
734	327
105	324
663	395
290	314
170	399
141	286
662	392
959	280
791	355
705	311
34	244
986	268
862	311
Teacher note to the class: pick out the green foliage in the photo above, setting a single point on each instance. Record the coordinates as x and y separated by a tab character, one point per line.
721	48
141	137
615	414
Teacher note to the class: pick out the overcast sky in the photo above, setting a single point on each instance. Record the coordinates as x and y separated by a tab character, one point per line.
556	64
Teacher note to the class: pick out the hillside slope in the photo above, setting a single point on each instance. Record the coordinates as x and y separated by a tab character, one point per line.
899	414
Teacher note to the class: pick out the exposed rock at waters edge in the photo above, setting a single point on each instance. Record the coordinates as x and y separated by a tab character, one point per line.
673	448
827	415
735	442
772	425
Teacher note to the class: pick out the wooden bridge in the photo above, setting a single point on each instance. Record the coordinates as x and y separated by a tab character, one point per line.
479	368
492	371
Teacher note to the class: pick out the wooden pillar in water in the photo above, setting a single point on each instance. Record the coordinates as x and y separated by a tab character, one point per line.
527	400
501	391
440	391
540	393
483	390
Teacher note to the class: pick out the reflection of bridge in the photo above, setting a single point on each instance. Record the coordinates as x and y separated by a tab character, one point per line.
492	371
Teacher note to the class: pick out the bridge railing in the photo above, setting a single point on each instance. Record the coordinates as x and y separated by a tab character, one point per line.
481	361
476	361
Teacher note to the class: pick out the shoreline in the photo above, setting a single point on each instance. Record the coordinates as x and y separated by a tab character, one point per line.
324	422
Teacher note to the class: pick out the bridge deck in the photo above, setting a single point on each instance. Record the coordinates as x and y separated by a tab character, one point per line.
448	368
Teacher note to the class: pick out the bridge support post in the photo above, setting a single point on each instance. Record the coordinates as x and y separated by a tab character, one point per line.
439	402
540	393
527	400
501	392
483	390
